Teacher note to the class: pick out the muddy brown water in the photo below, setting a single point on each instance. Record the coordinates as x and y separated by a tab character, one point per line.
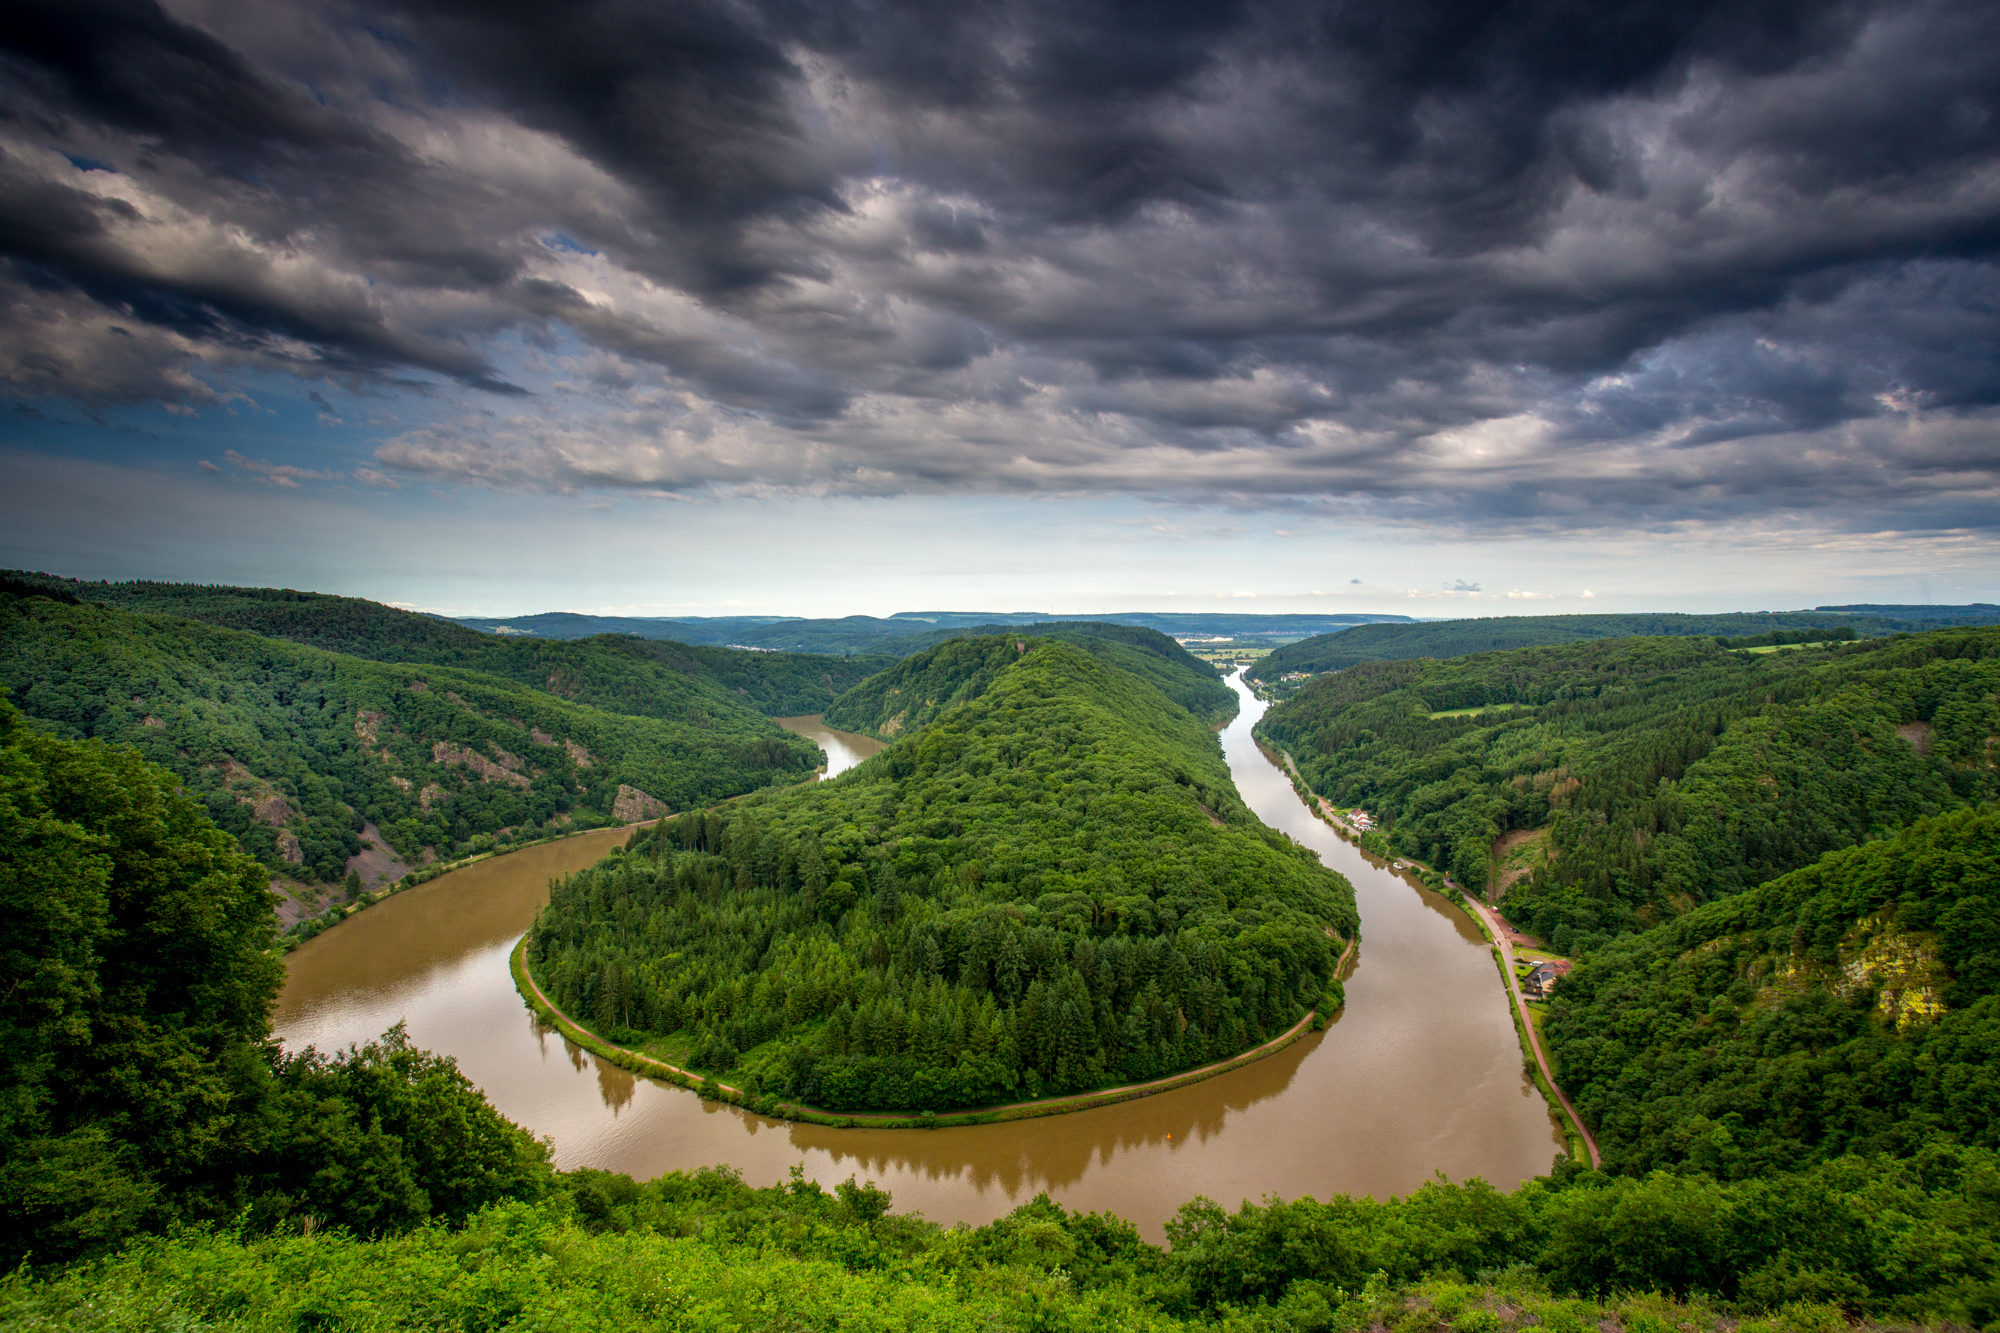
1421	1073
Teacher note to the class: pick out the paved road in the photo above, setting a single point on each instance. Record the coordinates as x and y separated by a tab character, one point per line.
1498	930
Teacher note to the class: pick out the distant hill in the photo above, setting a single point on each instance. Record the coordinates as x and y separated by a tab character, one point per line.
294	749
1970	613
627	675
869	634
1456	638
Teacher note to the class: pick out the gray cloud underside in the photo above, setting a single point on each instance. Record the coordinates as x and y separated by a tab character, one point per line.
1520	264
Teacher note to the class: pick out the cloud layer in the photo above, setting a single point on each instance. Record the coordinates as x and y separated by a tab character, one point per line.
1535	264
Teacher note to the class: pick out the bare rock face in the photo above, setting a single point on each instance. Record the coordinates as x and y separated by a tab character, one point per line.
289	849
634	805
506	770
274	811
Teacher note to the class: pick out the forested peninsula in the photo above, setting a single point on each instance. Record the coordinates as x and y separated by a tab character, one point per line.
1049	886
1606	786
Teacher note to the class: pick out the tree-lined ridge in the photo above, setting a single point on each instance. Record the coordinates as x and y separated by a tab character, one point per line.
294	749
1666	771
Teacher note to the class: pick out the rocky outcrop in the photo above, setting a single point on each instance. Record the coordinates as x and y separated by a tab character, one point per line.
506	768
634	805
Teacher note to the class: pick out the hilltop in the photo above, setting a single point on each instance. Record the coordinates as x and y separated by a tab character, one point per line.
905	697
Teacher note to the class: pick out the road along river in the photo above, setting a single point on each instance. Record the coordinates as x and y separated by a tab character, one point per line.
1421	1072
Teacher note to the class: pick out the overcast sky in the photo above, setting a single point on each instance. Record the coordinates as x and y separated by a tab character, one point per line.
823	306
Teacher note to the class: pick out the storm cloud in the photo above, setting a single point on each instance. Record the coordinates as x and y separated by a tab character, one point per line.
1539	264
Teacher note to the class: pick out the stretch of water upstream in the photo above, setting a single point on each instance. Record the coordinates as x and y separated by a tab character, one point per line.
1421	1073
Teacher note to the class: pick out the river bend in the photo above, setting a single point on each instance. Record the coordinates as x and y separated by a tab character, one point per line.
1420	1073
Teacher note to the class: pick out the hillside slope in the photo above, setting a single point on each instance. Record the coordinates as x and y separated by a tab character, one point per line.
1458	638
1852	1006
1051	888
952	666
1639	777
293	749
613	671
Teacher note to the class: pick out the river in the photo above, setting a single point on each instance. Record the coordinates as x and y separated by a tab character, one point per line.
1420	1073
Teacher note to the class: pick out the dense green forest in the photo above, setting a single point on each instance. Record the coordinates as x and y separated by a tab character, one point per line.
163	1165
1457	638
1649	775
918	691
1852	1006
1052	886
1901	1243
292	749
137	1083
615	672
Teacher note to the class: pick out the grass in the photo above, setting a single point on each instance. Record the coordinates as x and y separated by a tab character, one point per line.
1486	708
1787	647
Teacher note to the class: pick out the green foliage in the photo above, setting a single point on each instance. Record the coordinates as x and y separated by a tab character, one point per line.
1146	653
1900	1242
1772	638
137	1085
615	672
1458	638
292	749
1052	888
1667	771
1851	1006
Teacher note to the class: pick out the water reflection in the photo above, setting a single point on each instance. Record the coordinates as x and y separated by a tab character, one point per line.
1421	1072
844	749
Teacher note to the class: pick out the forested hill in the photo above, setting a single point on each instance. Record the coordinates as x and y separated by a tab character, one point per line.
1634	778
615	671
1852	1006
1053	887
1457	638
919	689
164	1165
293	749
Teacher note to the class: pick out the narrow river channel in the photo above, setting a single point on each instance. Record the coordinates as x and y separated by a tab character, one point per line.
1420	1074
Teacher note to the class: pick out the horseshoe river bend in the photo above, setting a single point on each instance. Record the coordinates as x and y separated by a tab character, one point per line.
1420	1073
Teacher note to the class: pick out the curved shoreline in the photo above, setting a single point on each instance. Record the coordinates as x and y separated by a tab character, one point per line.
1503	954
1505	950
639	1063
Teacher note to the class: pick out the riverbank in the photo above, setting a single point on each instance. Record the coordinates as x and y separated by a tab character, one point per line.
1503	949
640	1063
1499	940
294	936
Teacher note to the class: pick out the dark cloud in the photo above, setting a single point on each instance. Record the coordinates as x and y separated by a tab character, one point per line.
1537	262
